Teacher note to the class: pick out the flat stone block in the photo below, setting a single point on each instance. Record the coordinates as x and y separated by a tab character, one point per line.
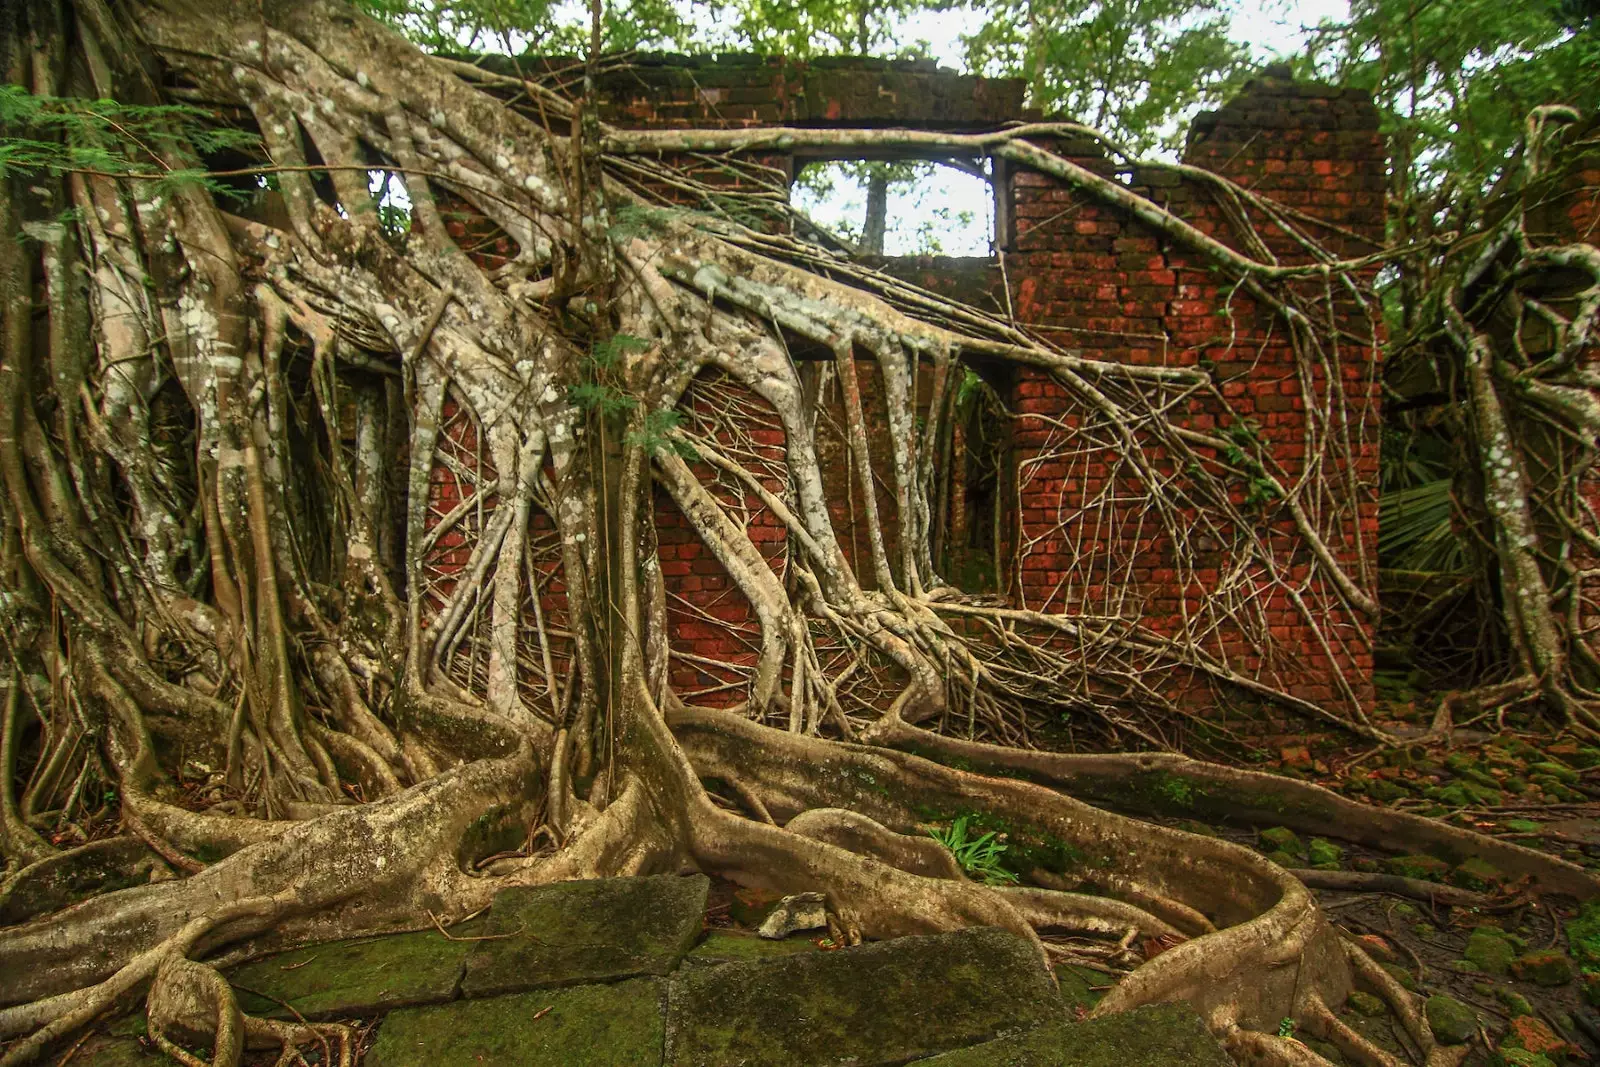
1159	1034
581	1026
570	933
358	977
723	946
882	1003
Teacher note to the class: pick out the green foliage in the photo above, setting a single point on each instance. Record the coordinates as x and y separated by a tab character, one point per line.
57	135
803	28
657	435
1177	790
606	353
607	400
537	27
1127	67
1456	80
1583	936
979	855
597	394
1286	1027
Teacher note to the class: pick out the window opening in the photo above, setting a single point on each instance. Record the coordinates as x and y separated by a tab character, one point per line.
976	484
901	207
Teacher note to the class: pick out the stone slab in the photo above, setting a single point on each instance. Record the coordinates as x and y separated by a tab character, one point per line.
580	1026
339	979
883	1003
1158	1034
572	933
726	946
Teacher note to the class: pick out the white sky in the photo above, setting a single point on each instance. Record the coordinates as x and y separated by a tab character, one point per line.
1272	28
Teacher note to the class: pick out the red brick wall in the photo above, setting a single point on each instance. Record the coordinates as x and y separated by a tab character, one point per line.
1113	288
1092	280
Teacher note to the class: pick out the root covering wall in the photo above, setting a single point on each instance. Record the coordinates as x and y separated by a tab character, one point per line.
1052	518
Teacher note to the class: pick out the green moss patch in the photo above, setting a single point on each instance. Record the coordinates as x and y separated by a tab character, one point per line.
727	946
882	1003
569	933
1427	868
1489	951
1081	987
583	1026
1162	1033
345	978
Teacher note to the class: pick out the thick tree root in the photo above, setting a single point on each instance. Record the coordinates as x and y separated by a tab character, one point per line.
1273	950
370	867
190	1004
1211	791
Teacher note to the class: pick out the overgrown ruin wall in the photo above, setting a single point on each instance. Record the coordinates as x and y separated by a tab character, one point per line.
1088	279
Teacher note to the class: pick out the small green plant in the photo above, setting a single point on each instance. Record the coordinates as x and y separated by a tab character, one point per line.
978	856
59	134
1177	790
1286	1027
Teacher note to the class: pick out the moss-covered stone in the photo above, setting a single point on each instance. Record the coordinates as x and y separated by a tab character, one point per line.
1475	873
1159	1034
1583	935
1078	986
1366	1004
1559	771
581	1026
1453	1023
1515	1003
882	1003
1545	967
1521	1057
1489	951
1454	795
730	946
1427	868
1400	974
1385	790
1531	1033
1280	839
1324	854
586	931
1286	859
343	978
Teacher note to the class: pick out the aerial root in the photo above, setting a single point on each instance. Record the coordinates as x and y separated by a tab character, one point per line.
56	1017
865	893
1251	1048
193	1003
1318	1019
1191	921
1406	1006
1237	795
1051	909
864	836
1399	885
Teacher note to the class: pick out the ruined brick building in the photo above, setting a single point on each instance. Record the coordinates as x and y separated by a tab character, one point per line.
1019	498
